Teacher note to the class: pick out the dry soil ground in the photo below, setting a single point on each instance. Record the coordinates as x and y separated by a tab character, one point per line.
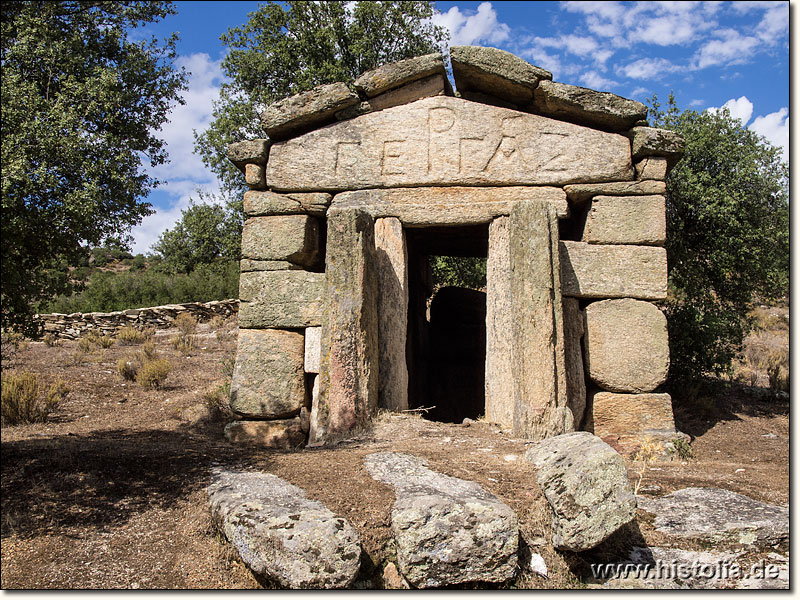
110	491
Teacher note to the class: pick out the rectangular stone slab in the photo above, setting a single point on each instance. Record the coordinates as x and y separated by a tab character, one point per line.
573	359
584	191
418	207
264	203
626	220
283	299
624	421
605	271
447	141
293	238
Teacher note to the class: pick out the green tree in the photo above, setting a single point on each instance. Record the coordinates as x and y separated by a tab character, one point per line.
727	236
289	47
205	233
81	101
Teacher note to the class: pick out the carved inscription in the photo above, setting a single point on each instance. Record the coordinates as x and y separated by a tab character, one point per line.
445	141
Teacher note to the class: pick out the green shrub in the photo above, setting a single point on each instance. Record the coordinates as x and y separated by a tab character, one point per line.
22	401
152	373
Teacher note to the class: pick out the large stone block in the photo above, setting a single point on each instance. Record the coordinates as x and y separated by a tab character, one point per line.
268	381
391	257
496	72
417	207
285	299
386	77
447	141
586	484
313	349
605	271
649	141
626	220
294	238
584	191
651	167
248	152
259	204
626	345
573	359
282	434
499	387
348	395
585	106
303	111
540	399
624	421
247	264
448	531
435	85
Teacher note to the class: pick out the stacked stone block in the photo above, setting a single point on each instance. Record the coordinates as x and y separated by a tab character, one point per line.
572	334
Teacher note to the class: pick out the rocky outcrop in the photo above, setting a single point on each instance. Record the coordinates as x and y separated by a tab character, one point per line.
586	485
282	535
448	531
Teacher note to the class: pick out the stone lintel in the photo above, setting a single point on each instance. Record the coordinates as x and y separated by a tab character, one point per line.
613	271
301	112
387	77
580	192
261	204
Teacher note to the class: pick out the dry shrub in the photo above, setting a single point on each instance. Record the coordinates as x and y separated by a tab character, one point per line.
149	350
23	401
185	344
52	340
778	370
127	367
186	323
647	453
78	357
101	340
151	374
217	402
85	344
129	336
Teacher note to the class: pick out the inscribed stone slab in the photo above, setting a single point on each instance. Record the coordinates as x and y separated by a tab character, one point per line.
447	141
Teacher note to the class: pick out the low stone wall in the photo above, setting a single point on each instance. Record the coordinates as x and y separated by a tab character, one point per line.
75	325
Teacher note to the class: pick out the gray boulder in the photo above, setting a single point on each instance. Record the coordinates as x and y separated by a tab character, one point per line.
448	531
585	481
718	515
298	113
281	535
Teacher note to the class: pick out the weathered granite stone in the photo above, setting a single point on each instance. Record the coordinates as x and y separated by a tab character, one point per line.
349	370
626	220
584	191
282	535
537	330
435	85
585	106
586	485
605	271
391	257
496	72
247	264
255	176
386	77
392	579
624	421
248	152
300	112
448	531
313	349
268	375
487	99
448	205
294	238
447	141
283	434
651	167
573	360
649	141
717	515
259	204
626	345
499	387
286	299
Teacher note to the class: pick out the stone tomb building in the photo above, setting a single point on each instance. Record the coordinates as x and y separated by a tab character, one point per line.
560	188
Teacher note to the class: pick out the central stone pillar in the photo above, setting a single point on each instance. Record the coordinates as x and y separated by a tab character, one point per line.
348	394
537	328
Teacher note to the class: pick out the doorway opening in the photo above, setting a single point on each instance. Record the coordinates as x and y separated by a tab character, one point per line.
446	338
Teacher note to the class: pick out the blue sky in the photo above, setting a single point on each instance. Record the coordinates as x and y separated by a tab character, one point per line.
711	54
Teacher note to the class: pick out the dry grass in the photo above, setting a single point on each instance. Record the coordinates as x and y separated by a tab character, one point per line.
152	373
25	401
765	359
130	336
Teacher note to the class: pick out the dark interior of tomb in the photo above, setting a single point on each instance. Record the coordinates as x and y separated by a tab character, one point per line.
446	343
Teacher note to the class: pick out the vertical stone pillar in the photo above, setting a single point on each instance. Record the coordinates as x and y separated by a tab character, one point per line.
499	386
391	257
540	396
348	394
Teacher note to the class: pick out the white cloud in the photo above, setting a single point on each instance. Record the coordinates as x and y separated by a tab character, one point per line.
732	48
775	23
639	91
185	174
544	59
740	108
647	68
774	127
696	102
468	29
594	80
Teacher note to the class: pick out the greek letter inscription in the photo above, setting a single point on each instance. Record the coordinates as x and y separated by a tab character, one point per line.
347	157
391	163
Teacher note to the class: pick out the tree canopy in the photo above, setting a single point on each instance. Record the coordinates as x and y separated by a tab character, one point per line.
727	235
82	100
289	47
